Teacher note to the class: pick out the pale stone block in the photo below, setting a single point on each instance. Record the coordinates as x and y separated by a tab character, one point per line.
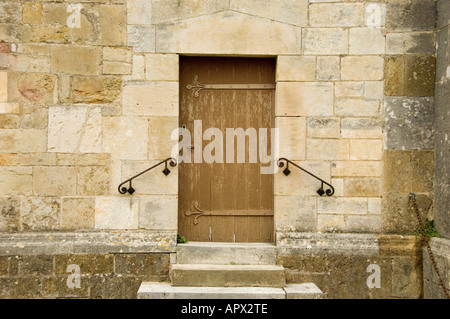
83	60
327	149
37	159
160	131
153	182
77	213
16	181
341	205
357	68
54	180
92	180
336	15
125	137
9	108
362	186
295	213
139	12
27	63
151	99
357	107
138	68
324	127
349	89
23	141
366	149
338	184
292	137
361	128
40	213
141	38
112	21
369	224
34	49
110	67
82	159
375	15
330	223
374	90
288	11
299	182
228	33
158	212
328	68
367	41
324	41
3	86
74	129
296	68
374	206
118	54
170	10
161	67
304	99
116	212
357	168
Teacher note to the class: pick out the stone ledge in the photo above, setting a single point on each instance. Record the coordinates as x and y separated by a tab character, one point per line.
101	242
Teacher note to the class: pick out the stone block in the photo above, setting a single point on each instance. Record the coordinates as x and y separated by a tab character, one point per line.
364	149
36	265
151	99
357	68
443	8
328	68
138	67
125	137
16	181
9	108
292	137
54	181
361	128
117	54
366	224
158	212
10	12
40	213
112	23
82	60
32	13
295	68
116	212
349	89
145	266
409	122
394	69
291	11
411	15
441	184
26	63
342	206
410	43
113	67
95	89
304	99
74	129
336	14
366	41
9	214
92	180
37	159
77	213
324	41
3	86
327	149
37	87
374	206
442	55
161	67
357	107
89	263
160	132
362	186
357	168
319	127
406	278
295	213
245	34
420	75
23	141
374	90
7	159
139	12
166	11
330	223
82	159
141	38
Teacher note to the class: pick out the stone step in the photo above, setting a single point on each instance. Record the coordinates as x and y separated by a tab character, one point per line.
212	275
157	290
226	253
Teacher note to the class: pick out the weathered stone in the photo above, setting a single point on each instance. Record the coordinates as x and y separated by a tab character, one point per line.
8	159
409	122
362	187
357	107
125	137
443	8
32	13
139	12
92	180
410	43
366	41
357	168
158	212
145	266
40	213
37	159
327	149
374	206
141	38
394	70
9	108
37	87
74	129
10	12
291	11
164	11
3	86
295	68
411	15
53	181
26	63
292	137
328	68
361	128
441	184
99	89
114	212
9	214
76	59
363	149
304	99
420	73
77	213
336	14
323	127
342	206
324	41
349	89
51	34
367	224
112	20
138	68
36	265
244	34
117	54
151	99
295	213
356	68
89	263
374	90
160	129
116	67
23	141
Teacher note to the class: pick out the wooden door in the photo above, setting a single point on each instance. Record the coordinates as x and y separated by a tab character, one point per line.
226	202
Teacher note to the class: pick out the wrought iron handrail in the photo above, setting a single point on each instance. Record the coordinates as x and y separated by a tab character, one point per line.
286	172
172	162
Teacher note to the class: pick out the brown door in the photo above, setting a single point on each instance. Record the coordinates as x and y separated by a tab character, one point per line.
226	202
